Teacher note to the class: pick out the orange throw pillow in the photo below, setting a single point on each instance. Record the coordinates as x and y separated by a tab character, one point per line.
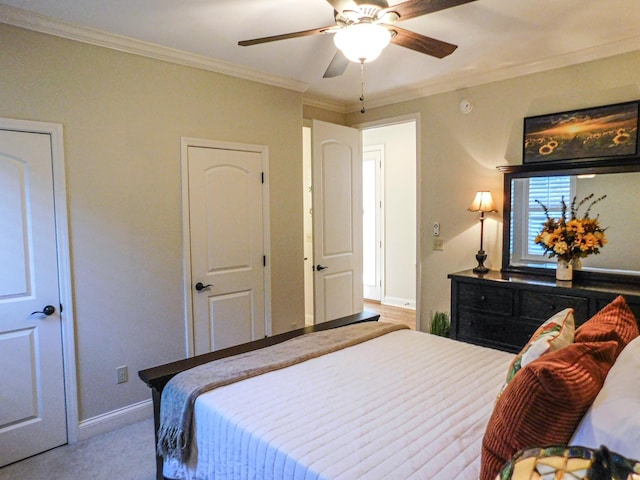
545	402
614	322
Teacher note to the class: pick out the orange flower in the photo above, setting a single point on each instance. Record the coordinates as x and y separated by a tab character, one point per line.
572	237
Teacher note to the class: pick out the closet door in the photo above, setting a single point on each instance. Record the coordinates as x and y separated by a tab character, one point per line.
32	401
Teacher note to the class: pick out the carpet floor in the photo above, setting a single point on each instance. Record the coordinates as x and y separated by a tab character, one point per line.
125	454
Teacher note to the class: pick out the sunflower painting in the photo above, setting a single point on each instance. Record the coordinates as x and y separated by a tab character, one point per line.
600	132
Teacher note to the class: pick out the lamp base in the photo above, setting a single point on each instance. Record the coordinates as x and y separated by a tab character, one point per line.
481	257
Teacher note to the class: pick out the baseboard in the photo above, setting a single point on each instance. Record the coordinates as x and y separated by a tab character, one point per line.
399	302
115	419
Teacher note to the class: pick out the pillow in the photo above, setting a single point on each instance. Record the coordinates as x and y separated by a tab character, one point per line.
614	322
614	418
569	463
545	401
555	333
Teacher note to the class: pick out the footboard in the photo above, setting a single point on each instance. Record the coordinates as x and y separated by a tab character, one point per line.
157	377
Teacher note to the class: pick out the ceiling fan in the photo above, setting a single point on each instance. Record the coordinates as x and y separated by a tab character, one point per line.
353	16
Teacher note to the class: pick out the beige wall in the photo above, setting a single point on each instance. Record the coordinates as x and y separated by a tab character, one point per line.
123	116
618	214
459	153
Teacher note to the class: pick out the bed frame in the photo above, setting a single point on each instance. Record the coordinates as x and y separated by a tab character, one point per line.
157	377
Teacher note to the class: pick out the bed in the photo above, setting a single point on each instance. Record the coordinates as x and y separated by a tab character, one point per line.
402	405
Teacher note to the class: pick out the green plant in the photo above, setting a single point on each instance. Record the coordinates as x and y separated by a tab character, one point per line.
440	324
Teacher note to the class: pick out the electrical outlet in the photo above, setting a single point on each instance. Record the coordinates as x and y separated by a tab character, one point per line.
122	374
438	244
436	229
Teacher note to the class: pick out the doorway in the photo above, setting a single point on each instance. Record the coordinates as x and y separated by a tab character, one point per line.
389	205
391	245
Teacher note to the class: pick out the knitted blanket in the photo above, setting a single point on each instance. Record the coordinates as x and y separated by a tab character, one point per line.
180	393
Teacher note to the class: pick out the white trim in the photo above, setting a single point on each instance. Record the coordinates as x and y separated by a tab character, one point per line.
308	319
399	302
413	117
187	142
44	24
266	229
115	419
186	249
54	130
325	104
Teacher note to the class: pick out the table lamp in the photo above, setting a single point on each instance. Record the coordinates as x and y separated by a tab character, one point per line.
483	202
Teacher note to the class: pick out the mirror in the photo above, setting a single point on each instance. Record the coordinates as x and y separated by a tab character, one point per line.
618	213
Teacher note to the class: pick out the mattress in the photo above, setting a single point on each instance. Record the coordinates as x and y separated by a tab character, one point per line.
407	405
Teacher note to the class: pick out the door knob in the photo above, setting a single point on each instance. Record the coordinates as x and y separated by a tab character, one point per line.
320	267
200	286
48	310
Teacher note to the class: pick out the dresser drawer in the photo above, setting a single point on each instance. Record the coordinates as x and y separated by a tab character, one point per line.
541	306
490	330
483	298
502	310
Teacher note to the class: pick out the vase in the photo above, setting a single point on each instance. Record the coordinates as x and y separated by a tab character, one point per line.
576	263
564	270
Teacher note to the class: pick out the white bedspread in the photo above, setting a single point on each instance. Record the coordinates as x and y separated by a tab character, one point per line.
407	405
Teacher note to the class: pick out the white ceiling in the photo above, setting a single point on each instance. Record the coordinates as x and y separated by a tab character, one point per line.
497	39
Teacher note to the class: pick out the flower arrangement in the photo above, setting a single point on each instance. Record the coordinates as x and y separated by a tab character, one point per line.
572	237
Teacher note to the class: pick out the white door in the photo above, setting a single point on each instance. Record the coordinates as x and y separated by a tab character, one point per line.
372	217
227	246
337	220
32	402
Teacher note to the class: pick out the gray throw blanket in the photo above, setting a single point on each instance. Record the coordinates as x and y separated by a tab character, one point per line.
180	393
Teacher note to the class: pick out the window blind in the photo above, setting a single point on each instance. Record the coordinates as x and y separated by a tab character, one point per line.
550	191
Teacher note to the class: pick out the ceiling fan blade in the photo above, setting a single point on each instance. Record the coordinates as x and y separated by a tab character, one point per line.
422	44
337	66
304	33
416	8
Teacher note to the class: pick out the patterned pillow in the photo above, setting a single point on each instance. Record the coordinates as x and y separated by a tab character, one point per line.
568	463
545	401
614	322
555	333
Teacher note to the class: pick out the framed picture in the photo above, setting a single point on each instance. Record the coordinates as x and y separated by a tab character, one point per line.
600	132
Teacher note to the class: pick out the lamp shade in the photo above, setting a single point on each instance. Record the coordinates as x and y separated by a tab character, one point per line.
362	42
483	202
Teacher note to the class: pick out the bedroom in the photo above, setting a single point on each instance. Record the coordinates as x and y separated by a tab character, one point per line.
123	116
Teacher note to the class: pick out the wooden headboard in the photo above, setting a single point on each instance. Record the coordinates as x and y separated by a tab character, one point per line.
157	377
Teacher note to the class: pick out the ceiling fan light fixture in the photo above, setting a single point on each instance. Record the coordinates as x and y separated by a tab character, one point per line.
362	42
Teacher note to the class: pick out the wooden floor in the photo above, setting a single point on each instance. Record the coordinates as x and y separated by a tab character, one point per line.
392	314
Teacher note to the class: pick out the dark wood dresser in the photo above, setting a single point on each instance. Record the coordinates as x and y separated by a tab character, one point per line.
502	310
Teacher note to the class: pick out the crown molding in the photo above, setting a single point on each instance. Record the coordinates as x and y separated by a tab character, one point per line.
43	24
458	80
466	79
325	104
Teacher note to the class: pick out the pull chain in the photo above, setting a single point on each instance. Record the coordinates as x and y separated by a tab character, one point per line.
362	110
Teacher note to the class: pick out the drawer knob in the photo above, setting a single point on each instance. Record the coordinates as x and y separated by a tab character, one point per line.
483	298
552	307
